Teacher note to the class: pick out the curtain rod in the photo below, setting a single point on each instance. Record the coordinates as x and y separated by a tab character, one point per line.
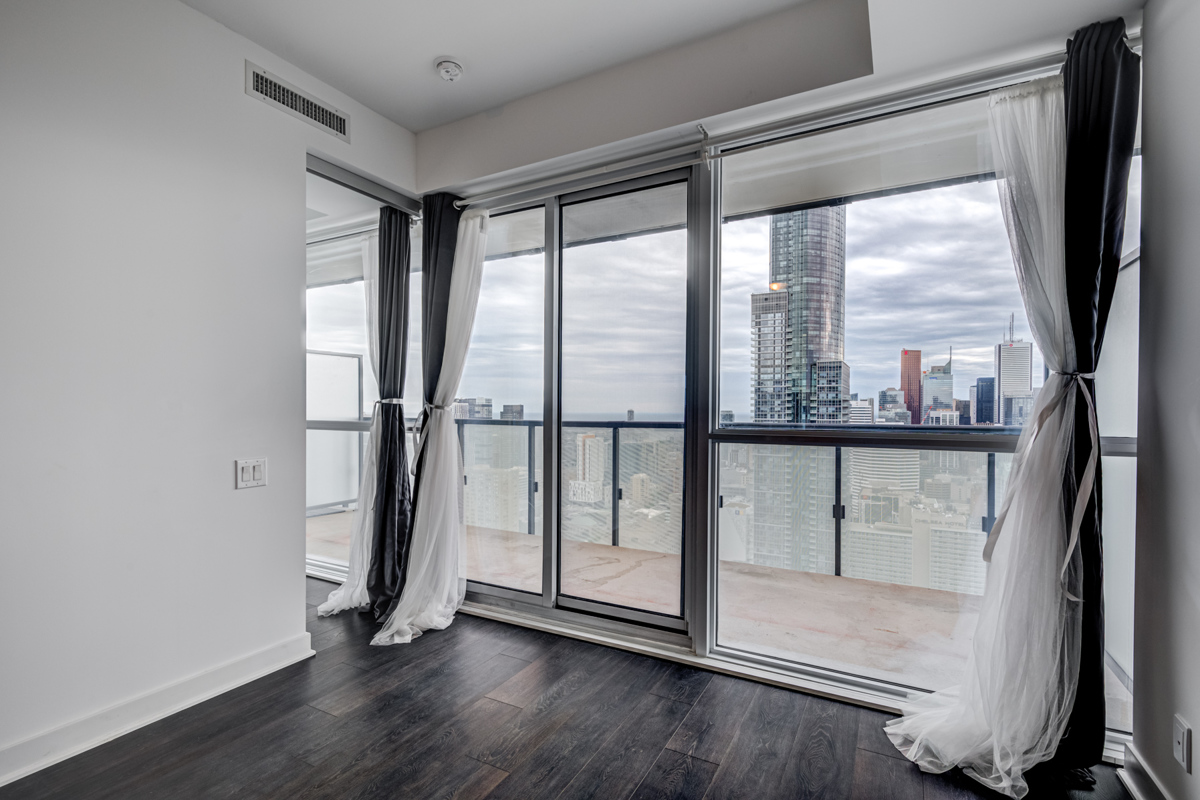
961	87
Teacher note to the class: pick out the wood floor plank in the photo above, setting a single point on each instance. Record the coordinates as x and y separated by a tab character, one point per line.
675	776
821	763
528	684
683	683
877	776
317	591
512	744
547	769
396	724
262	756
437	763
954	785
530	645
754	765
421	661
465	779
871	736
709	728
618	766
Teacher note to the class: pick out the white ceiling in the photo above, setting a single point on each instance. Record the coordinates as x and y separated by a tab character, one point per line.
382	52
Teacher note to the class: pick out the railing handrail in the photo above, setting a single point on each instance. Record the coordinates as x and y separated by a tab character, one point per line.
617	423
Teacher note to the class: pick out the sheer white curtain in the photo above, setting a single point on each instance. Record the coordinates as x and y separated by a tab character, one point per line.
1012	707
436	581
353	593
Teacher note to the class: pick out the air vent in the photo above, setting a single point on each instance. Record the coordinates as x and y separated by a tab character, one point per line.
281	94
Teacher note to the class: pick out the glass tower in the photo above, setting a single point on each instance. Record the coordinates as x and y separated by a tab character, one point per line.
800	376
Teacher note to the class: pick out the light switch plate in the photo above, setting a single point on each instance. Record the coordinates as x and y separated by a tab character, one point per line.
251	472
1181	744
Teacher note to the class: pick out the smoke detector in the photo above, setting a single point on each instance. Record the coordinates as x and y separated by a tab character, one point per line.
449	69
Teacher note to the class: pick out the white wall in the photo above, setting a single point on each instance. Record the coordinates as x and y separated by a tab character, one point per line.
1167	605
151	331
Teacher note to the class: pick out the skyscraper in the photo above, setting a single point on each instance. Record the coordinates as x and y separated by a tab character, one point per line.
892	409
937	391
1014	379
808	263
910	383
862	412
768	352
985	401
473	408
799	375
513	412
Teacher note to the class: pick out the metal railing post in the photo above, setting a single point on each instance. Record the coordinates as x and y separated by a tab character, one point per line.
838	511
990	519
531	478
616	486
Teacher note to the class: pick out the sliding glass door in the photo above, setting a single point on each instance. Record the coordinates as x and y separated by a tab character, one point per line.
624	282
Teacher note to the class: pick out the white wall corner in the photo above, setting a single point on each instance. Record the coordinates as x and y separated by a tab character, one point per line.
44	749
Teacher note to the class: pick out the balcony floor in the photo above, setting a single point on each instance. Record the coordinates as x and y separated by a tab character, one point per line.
903	634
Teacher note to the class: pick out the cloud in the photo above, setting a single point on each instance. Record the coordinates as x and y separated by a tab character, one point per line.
926	270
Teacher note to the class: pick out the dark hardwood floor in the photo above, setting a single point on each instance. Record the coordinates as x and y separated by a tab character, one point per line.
485	709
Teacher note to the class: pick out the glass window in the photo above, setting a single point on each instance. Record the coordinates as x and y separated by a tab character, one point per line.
862	560
866	278
340	384
499	408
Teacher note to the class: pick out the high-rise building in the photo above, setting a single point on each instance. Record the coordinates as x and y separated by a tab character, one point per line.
862	412
984	406
473	408
828	393
937	391
892	409
726	417
941	416
1017	409
882	480
768	352
588	484
1014	378
963	407
808	264
910	383
799	375
514	412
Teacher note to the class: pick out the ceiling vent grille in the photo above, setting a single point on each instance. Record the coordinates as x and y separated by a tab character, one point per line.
281	94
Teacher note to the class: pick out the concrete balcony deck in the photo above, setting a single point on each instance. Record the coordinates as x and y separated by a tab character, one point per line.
903	634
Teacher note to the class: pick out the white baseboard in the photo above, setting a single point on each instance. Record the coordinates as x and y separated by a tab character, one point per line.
41	750
1138	778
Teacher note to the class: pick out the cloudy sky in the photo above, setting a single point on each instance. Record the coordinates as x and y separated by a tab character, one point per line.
928	270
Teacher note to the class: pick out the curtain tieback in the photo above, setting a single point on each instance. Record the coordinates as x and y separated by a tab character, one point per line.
1085	484
423	427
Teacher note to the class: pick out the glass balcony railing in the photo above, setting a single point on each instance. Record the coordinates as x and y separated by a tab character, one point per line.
862	560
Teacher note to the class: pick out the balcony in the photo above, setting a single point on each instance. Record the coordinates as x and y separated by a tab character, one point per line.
863	606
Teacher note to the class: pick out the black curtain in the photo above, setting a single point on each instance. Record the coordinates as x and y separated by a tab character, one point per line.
1101	80
440	229
393	499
